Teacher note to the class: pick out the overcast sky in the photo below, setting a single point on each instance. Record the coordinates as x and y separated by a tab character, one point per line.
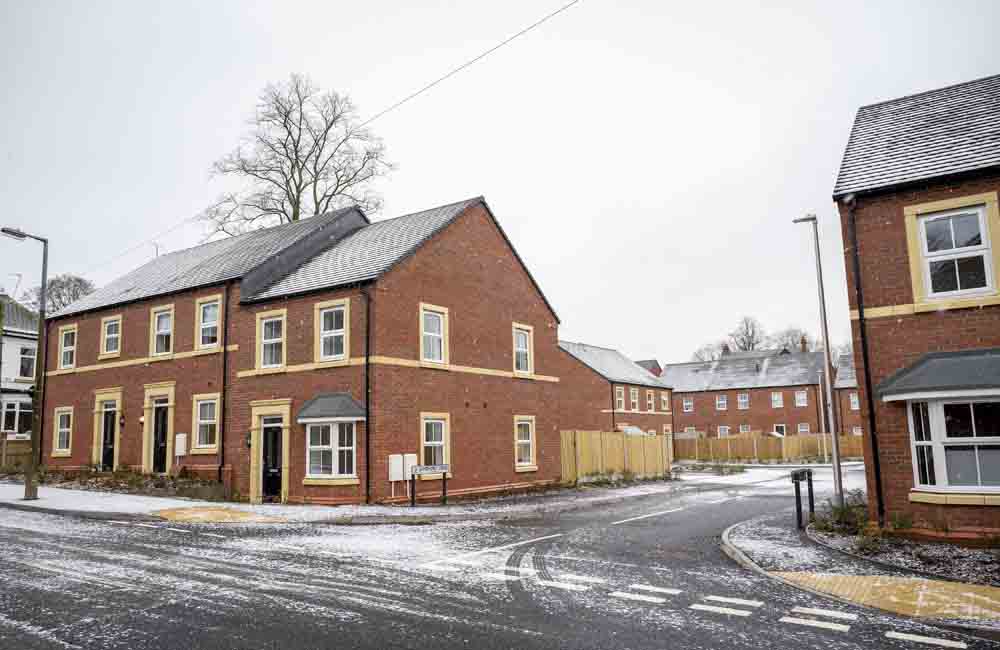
646	158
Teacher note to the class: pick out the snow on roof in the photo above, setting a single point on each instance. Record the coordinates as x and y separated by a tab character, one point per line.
612	365
740	371
846	376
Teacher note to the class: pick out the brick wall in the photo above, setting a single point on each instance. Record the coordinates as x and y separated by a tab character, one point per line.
760	415
847	417
644	418
896	342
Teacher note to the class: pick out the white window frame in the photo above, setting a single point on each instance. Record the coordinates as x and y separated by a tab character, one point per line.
783	431
333	334
939	442
202	325
721	402
690	430
665	402
63	348
519	422
633	398
723	431
266	317
106	323
650	401
619	398
803	428
15	407
336	470
199	421
687	404
801	398
858	431
984	250
855	401
155	331
742	401
777	399
529	351
58	429
442	314
22	356
444	420
744	428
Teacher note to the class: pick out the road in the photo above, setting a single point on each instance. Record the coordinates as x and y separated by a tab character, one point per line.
647	573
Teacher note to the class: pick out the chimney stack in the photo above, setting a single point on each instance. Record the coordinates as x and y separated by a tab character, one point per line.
725	349
804	344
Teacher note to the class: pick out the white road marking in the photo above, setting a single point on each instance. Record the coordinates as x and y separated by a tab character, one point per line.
831	613
721	610
652	514
500	576
837	627
929	640
214	535
562	585
178	530
576	578
442	567
147	525
658	590
496	548
735	601
466	562
527	570
638	597
120	523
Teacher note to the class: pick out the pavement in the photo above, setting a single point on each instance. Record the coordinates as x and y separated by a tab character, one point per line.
646	572
771	544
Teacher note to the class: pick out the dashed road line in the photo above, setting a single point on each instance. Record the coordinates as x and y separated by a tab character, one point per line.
562	585
652	514
638	597
526	570
178	530
120	523
831	613
465	562
808	622
735	601
721	610
500	576
147	525
442	567
929	640
214	535
495	549
576	578
657	590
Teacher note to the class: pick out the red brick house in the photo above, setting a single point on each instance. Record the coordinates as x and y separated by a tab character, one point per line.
847	400
293	362
630	397
917	194
766	390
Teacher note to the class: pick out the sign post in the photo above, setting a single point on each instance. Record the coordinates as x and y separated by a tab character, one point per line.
423	470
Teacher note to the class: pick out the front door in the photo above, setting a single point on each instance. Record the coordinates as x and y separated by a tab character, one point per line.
160	435
271	430
109	413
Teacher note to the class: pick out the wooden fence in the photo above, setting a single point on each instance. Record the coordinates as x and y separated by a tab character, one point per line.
755	447
587	455
14	453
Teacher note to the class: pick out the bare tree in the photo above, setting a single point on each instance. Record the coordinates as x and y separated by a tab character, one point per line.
843	348
748	335
62	290
790	338
709	352
306	154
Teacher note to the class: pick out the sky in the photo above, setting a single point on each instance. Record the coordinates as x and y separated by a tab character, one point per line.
645	158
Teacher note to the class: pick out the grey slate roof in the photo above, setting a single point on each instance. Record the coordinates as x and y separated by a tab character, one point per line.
846	376
612	365
331	405
936	133
945	371
734	372
368	253
17	316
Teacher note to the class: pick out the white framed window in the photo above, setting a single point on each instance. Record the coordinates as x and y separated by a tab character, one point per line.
777	400
333	333
779	428
209	315
664	402
111	336
721	402
803	427
687	404
956	252
956	444
433	334
668	429
26	363
619	398
207	422
723	431
857	431
524	442
271	339
67	346
855	402
690	430
743	401
16	422
330	450
434	441
744	428
163	330
63	437
524	349
633	397
801	398
650	401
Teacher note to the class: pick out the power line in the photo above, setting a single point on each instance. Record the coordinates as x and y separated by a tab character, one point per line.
371	119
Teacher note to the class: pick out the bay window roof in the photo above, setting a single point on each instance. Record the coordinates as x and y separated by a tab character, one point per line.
944	372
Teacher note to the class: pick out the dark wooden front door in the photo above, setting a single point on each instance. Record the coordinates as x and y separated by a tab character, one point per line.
271	430
109	411
160	436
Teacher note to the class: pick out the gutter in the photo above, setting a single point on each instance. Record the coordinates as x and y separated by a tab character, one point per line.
613	426
851	202
225	377
366	292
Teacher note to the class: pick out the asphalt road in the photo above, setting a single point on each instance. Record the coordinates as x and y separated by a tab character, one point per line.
647	573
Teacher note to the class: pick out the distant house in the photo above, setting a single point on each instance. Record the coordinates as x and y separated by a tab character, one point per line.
759	391
918	199
846	399
18	344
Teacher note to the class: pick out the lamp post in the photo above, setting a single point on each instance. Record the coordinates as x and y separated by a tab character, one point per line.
30	488
838	485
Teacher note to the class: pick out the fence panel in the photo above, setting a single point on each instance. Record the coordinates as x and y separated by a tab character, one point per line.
610	453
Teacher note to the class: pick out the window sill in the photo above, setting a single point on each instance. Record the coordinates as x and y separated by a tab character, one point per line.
203	451
437	365
62	454
941	304
346	480
24	380
17	436
163	356
956	498
332	363
526	468
108	355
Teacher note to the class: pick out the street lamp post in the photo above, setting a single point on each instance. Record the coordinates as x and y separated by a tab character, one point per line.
30	488
838	485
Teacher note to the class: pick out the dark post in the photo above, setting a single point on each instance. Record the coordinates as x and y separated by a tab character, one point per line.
413	490
798	505
444	488
812	503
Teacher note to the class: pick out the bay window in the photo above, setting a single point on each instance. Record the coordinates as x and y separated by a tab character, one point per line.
956	444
